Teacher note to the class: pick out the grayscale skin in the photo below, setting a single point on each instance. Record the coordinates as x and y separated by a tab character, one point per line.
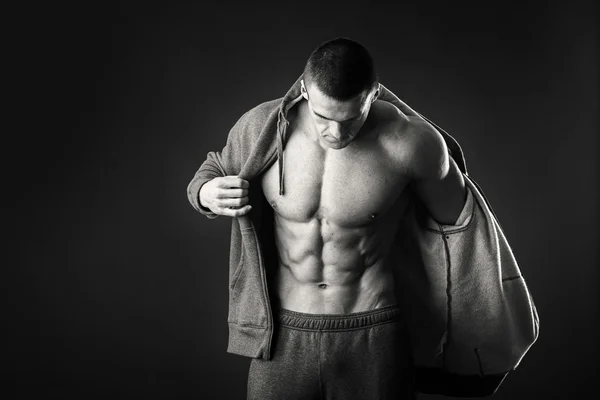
349	168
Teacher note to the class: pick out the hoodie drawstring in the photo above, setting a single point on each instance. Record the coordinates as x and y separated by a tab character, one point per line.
280	133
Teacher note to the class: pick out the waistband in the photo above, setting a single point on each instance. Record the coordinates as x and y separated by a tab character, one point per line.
332	322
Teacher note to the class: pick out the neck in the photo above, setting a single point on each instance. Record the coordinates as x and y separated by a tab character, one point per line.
304	122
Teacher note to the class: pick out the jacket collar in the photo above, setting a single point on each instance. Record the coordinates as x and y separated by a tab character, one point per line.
292	96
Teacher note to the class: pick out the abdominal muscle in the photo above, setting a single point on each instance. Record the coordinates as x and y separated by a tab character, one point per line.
329	269
335	225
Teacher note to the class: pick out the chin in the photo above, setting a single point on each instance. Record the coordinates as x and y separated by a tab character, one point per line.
335	145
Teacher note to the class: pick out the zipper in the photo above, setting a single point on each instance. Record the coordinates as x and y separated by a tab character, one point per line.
447	334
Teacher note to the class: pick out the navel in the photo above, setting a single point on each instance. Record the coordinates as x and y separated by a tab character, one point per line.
322	286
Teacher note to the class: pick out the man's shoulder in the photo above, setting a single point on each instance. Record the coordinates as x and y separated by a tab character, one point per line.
266	107
400	123
418	143
259	114
430	152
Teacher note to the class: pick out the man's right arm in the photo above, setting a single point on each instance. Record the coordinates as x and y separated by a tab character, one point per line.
215	189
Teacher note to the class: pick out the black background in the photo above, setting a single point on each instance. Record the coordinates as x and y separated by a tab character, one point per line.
121	287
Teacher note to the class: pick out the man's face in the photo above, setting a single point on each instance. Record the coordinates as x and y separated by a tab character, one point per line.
336	122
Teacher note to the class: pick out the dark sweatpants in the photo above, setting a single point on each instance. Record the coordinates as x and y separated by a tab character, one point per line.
353	356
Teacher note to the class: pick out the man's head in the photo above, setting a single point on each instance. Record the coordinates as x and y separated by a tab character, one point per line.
340	84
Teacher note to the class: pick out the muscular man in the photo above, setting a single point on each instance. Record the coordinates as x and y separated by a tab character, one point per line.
352	163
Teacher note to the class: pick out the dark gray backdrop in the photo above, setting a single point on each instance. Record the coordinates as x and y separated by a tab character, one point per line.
122	287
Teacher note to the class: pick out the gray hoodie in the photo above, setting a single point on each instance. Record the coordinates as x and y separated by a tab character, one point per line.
470	316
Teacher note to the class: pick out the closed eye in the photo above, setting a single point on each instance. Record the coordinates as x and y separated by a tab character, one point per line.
319	116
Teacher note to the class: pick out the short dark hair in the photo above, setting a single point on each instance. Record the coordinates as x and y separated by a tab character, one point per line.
341	68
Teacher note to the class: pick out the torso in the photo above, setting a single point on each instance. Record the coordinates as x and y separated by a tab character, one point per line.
335	225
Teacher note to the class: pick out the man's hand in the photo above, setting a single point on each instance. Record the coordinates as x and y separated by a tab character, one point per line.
226	195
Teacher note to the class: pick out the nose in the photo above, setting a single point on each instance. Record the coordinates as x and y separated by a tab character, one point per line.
335	130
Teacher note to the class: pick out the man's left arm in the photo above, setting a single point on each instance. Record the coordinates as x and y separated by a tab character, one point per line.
436	179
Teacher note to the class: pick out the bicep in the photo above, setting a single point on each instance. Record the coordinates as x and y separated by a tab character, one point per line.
438	182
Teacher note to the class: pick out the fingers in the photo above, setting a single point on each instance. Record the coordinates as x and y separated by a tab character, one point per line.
230	212
232	202
229	196
232	193
232	181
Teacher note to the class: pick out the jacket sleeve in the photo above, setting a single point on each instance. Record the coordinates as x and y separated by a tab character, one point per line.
471	316
218	164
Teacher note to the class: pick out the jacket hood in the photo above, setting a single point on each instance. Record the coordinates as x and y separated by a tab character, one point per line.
294	95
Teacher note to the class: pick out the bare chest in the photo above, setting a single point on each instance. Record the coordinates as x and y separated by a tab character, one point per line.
349	187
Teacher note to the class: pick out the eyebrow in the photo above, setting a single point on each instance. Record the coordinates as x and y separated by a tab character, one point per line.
329	119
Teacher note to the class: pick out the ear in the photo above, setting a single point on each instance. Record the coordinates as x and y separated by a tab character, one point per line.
303	89
377	93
